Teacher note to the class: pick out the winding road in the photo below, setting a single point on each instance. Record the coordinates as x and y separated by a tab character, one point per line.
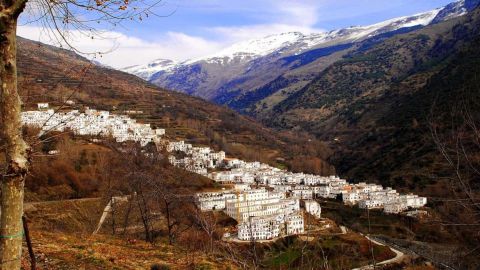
399	256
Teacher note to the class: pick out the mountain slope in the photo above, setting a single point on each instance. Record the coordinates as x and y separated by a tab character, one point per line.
54	75
151	68
250	65
242	75
374	105
387	110
456	9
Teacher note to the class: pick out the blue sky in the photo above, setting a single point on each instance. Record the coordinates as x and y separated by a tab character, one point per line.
197	17
200	27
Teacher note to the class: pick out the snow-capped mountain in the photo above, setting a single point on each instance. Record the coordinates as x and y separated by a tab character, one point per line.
252	64
456	9
291	42
146	71
249	49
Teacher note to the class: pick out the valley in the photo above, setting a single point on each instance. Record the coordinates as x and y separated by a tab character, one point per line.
256	135
381	97
342	86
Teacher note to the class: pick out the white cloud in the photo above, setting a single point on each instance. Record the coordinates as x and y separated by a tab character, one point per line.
304	14
284	16
250	19
240	33
120	50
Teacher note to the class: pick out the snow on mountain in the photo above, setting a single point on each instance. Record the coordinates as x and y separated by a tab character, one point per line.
253	48
146	71
357	33
275	43
295	42
456	9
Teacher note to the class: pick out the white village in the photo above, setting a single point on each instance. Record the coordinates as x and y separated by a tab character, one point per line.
267	202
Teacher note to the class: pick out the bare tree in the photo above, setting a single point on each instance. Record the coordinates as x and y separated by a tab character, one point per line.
140	178
456	135
144	208
127	215
60	17
370	243
233	253
168	202
177	210
16	150
104	171
208	223
253	242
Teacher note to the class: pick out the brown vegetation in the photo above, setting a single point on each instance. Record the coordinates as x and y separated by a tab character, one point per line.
55	75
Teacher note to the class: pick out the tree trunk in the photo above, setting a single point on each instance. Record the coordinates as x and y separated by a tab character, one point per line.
16	150
127	215
112	199
145	218
169	226
33	262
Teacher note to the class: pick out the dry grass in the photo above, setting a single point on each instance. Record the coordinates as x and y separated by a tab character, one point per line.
69	251
62	239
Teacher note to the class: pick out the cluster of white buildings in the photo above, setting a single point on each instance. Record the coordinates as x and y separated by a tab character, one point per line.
308	186
261	214
371	196
274	210
92	122
194	159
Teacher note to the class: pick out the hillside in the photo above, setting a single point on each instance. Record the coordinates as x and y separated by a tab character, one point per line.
253	76
237	76
54	75
374	105
62	239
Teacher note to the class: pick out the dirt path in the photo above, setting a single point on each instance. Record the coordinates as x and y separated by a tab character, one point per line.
108	209
399	256
31	205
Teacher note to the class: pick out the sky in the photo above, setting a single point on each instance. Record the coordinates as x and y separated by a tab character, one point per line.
186	29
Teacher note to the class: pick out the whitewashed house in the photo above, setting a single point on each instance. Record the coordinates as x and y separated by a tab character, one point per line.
42	106
207	201
302	192
312	207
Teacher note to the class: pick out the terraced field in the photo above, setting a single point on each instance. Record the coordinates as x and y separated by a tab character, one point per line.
49	74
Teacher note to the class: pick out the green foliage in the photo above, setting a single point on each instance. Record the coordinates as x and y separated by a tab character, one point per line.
423	37
359	58
284	258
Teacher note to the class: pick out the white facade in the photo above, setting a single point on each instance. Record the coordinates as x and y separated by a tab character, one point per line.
42	106
351	197
313	207
207	201
370	204
242	187
302	192
197	160
394	207
294	224
263	214
270	227
93	123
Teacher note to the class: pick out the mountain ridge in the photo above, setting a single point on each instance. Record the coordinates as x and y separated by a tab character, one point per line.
365	102
238	75
278	42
